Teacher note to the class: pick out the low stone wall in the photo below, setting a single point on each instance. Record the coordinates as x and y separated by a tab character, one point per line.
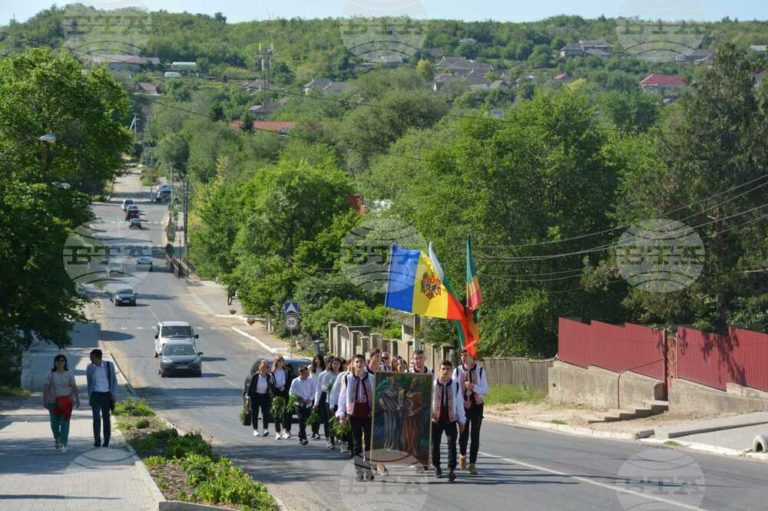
687	396
599	388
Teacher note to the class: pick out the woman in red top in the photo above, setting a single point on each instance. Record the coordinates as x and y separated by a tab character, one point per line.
59	397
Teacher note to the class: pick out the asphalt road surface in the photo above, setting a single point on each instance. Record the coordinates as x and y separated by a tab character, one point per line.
518	468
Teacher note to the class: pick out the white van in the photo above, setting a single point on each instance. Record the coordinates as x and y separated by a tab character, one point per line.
172	330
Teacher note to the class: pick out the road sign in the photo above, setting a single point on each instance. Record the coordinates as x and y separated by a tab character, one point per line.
291	322
291	308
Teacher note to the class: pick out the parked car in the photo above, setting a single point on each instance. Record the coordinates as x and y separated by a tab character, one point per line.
124	296
162	195
126	203
172	330
144	262
181	356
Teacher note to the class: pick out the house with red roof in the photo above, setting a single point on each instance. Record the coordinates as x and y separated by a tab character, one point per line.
663	84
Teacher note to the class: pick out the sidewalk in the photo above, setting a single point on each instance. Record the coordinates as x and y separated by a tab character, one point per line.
727	435
34	476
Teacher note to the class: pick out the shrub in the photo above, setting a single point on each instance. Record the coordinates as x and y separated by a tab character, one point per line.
134	408
142	423
223	483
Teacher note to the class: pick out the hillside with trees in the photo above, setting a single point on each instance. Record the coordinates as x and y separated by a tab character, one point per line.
545	174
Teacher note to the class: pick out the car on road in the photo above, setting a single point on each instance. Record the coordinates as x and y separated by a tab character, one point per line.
144	262
172	331
181	356
135	223
124	296
114	268
162	195
126	203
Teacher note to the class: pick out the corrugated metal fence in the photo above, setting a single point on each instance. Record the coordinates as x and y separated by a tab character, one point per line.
716	360
614	347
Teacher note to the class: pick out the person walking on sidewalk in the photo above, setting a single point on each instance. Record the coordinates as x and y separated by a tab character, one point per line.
102	390
59	397
474	385
302	387
447	412
258	396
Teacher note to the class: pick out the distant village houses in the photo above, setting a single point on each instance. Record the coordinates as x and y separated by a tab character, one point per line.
325	85
697	57
585	49
663	84
122	63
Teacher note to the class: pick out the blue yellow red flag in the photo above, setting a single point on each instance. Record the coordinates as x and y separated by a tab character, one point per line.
415	286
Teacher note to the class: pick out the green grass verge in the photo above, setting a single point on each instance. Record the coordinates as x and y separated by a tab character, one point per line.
186	467
559	422
510	394
132	407
14	392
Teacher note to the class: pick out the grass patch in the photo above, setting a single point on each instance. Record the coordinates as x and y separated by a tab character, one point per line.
133	408
6	391
510	394
185	467
559	422
672	443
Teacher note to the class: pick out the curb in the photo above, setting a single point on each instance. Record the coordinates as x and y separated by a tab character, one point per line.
573	430
666	434
711	449
259	341
146	476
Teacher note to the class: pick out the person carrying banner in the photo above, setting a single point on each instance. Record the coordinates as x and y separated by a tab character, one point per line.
447	417
472	381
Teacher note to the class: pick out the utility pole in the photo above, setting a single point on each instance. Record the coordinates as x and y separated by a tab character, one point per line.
266	56
186	216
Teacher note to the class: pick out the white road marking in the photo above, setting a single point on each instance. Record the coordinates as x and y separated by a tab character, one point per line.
139	328
253	338
586	480
123	328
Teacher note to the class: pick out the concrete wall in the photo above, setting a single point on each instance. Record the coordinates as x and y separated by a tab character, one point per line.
686	396
599	388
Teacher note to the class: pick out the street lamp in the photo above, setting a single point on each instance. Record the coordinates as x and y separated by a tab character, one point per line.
48	138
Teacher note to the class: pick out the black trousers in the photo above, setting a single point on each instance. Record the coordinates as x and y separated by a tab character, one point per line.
472	431
100	407
451	430
361	438
325	415
260	402
303	413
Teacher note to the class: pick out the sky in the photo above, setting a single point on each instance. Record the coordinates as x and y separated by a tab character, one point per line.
501	10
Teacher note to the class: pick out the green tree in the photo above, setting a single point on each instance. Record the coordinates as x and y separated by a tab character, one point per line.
40	92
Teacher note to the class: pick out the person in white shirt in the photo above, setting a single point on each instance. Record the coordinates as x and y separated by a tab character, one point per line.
417	363
474	385
102	390
447	413
322	391
345	442
281	390
319	364
356	405
302	388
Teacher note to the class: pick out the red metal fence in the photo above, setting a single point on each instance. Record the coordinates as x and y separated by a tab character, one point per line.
613	347
715	360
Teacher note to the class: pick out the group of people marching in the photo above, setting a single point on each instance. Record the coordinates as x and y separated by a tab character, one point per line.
333	386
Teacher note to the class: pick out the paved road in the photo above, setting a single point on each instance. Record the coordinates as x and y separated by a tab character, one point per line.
520	468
